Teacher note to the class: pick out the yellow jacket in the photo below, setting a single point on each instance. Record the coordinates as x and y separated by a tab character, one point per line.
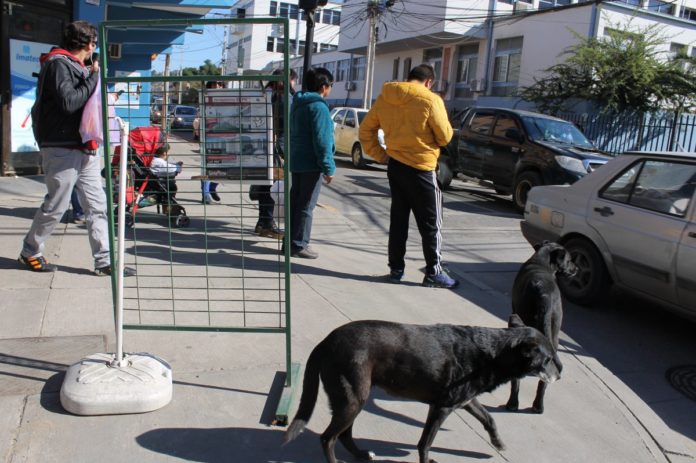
415	125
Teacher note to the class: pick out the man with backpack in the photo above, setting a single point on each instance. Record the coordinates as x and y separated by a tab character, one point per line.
65	84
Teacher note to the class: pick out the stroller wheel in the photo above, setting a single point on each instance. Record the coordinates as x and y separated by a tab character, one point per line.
182	221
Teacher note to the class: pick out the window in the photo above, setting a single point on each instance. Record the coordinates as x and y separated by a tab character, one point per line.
358	70
350	119
688	13
467	62
270	43
660	7
395	69
677	49
407	68
280	45
433	57
482	123
284	9
327	47
342	69
332	17
504	122
660	186
274	9
506	66
294	12
331	67
338	118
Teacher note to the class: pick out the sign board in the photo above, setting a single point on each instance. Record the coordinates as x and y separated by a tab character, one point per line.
24	60
237	134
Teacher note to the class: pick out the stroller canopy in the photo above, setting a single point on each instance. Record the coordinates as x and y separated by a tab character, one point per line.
144	142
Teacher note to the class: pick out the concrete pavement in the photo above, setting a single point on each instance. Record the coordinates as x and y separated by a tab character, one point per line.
226	383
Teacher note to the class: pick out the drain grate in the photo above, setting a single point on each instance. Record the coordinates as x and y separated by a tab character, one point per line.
683	379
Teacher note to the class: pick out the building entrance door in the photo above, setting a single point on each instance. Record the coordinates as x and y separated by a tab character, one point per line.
29	28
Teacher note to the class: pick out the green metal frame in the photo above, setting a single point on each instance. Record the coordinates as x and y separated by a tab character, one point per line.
292	369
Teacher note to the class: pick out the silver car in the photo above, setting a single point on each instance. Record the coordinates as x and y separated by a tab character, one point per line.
631	223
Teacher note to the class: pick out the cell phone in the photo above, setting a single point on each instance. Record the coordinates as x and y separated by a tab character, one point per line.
92	59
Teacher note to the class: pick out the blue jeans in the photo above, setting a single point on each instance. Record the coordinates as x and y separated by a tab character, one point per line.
304	193
76	207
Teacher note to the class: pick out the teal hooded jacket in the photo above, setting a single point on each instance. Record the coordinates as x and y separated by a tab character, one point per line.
312	145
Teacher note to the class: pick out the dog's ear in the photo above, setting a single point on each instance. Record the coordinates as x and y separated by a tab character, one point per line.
515	321
538	246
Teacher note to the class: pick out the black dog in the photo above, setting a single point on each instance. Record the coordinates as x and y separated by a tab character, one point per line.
445	366
537	300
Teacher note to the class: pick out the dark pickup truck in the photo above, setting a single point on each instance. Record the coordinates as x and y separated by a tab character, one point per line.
514	151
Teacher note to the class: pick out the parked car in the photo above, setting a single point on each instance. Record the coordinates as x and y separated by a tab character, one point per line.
181	117
515	151
156	113
631	223
346	127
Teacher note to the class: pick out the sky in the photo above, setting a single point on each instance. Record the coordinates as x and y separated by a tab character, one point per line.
197	48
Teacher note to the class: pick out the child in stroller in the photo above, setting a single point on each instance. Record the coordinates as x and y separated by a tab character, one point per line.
153	176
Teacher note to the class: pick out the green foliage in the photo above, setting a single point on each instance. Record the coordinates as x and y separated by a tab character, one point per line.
623	71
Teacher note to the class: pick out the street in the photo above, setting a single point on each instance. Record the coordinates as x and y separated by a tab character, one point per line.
612	404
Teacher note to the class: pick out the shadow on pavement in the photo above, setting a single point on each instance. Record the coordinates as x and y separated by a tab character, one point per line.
265	445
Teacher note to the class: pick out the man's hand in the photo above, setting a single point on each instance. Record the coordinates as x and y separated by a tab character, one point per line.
328	178
95	66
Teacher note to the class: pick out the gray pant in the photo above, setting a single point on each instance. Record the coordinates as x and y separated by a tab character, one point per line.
65	169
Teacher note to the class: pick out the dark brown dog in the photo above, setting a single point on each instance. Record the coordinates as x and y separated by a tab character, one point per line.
537	300
444	366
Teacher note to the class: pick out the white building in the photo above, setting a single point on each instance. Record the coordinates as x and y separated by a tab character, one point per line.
479	61
256	46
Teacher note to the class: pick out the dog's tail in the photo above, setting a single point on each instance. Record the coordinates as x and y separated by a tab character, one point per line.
310	391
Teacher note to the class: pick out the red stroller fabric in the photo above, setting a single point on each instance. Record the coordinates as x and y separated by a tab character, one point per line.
143	142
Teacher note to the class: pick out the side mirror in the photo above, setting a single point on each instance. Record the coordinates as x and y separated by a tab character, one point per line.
514	134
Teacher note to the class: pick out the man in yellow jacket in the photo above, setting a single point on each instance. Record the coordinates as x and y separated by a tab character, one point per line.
415	125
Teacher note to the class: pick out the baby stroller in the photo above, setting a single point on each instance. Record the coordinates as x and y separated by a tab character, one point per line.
144	187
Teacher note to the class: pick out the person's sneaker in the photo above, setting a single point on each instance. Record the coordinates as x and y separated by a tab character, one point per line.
270	232
305	253
106	271
37	264
79	219
440	280
395	276
207	199
215	196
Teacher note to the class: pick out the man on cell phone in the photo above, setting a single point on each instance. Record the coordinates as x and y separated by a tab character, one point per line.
65	84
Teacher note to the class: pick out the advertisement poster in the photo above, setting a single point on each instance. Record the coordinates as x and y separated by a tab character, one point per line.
131	90
24	60
238	134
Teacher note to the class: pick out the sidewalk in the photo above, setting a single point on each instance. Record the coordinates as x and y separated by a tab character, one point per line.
221	407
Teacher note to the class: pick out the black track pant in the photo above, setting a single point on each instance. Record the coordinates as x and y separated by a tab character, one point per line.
414	190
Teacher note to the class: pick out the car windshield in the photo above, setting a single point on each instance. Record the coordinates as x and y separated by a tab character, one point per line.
186	110
361	116
543	129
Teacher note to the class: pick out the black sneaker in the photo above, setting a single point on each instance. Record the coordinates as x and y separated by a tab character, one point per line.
215	196
395	276
106	271
305	253
440	280
37	264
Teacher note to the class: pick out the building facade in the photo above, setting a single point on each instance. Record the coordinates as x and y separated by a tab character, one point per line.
255	47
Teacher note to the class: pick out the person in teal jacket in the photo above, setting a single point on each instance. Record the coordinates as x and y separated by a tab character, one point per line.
311	156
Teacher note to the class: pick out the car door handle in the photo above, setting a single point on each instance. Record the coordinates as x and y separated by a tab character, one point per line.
692	234
604	211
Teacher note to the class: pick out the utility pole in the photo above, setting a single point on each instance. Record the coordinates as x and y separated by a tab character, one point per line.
165	91
309	6
372	13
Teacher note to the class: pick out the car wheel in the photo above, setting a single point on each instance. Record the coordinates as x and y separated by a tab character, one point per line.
444	173
525	182
591	279
357	156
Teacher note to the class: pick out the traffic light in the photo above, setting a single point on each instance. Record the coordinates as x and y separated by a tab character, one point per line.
309	5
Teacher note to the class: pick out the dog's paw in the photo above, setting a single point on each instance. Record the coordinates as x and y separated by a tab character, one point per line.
365	455
497	443
512	405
